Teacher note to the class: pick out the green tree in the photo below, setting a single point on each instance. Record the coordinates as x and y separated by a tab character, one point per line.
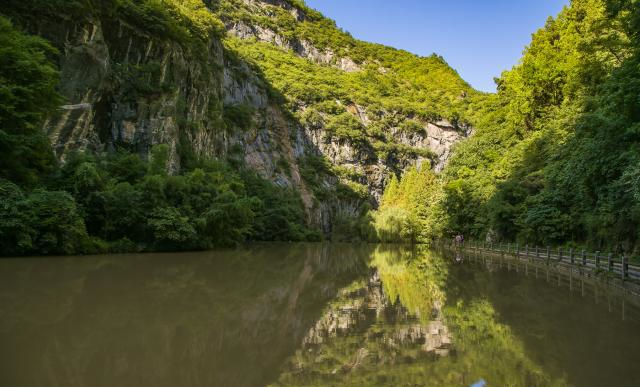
171	230
27	93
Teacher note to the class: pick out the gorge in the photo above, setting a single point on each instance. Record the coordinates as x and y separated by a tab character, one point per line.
240	193
287	128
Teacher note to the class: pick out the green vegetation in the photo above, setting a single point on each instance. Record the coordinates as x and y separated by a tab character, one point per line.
185	21
555	154
553	159
386	348
389	84
390	79
409	209
347	128
118	202
399	91
27	93
330	96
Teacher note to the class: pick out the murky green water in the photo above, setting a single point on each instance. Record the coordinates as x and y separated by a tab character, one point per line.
307	315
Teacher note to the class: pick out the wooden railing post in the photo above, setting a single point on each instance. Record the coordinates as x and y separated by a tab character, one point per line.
597	260
537	252
571	255
610	262
548	254
559	254
625	268
584	258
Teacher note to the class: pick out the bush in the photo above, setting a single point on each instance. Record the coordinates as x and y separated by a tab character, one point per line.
239	116
395	225
40	222
346	127
412	127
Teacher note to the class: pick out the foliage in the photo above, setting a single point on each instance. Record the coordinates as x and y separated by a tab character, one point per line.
411	126
280	213
136	205
186	21
388	85
347	128
239	116
554	157
341	187
350	228
409	209
39	222
27	93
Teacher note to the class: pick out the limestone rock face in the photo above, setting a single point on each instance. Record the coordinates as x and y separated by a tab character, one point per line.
125	87
302	48
439	137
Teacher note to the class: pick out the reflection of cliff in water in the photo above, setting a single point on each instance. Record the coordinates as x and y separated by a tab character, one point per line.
364	329
403	326
299	315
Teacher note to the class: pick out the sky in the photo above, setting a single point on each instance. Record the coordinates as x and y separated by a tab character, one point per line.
478	38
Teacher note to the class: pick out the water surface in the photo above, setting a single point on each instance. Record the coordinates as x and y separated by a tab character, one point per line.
307	315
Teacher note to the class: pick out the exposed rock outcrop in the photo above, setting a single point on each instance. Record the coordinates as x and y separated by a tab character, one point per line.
125	87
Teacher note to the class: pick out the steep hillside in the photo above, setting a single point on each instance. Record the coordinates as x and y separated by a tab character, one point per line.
265	87
555	157
370	111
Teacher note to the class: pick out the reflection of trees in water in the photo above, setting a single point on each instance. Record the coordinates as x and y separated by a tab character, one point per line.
387	320
342	315
396	328
364	303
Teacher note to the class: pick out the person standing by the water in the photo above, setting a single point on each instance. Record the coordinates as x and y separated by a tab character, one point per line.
459	239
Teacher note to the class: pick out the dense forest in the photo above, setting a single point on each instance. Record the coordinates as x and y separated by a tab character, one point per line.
120	200
553	157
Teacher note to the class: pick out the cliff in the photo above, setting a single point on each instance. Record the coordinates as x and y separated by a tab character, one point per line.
269	84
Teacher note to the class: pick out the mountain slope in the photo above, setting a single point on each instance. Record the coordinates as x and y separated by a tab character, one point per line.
266	87
554	159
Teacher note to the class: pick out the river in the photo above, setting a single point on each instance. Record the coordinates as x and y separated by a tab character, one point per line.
308	315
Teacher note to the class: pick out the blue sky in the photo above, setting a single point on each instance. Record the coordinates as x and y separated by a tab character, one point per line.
479	38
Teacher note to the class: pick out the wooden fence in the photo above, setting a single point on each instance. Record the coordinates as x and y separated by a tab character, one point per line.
597	263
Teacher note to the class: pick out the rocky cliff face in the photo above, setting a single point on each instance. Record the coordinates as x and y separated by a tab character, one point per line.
127	87
124	87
